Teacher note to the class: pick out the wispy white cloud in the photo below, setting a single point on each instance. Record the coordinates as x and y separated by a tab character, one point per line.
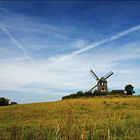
62	58
14	41
79	43
35	35
107	40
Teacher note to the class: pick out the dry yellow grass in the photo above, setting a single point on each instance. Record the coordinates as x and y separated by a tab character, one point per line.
112	118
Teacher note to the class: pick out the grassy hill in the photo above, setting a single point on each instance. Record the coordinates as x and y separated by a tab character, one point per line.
101	118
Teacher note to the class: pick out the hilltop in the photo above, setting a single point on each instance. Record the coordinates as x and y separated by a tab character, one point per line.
72	119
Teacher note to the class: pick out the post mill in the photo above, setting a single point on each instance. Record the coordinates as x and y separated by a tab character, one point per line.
102	82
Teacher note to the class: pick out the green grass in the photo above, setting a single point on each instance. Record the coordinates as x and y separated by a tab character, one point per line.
98	118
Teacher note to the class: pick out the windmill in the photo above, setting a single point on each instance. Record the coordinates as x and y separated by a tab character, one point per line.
102	82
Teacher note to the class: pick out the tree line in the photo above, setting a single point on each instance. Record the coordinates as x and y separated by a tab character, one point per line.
4	102
129	90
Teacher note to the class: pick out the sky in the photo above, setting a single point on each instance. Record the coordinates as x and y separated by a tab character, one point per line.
47	48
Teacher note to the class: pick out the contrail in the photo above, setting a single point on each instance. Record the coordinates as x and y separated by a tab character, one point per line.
14	41
107	40
98	43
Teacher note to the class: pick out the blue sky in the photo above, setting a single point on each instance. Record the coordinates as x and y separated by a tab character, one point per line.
48	48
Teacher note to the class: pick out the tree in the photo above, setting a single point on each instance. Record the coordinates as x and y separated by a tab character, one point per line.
129	89
4	101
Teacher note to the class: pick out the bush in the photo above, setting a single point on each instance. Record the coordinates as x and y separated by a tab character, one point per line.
4	101
79	94
97	93
13	103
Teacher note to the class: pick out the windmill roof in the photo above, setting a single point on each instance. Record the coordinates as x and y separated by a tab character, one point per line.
103	80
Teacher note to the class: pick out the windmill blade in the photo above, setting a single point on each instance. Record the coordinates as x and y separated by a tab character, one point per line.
108	74
93	88
94	75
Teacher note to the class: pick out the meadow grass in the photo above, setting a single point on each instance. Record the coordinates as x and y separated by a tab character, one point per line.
98	118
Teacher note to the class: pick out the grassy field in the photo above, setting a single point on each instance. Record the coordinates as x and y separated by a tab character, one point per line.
98	118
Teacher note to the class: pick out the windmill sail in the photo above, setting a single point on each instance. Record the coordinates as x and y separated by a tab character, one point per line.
94	75
93	88
108	74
